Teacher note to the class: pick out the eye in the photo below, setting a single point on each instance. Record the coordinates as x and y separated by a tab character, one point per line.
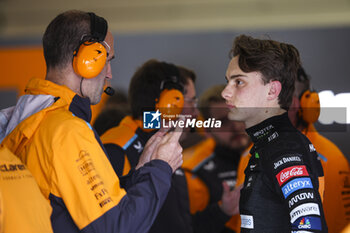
238	82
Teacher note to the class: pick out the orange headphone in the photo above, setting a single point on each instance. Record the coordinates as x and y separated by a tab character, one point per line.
171	99
309	101
91	55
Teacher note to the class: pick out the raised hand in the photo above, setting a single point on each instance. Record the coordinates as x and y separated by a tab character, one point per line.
230	199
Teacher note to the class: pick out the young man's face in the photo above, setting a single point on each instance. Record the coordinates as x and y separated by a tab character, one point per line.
245	94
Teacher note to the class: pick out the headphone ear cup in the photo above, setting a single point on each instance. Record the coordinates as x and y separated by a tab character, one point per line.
170	103
90	59
310	106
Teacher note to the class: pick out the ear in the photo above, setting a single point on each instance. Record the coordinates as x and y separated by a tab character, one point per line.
275	90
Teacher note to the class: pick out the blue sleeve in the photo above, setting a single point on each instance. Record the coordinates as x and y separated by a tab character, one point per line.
117	157
139	207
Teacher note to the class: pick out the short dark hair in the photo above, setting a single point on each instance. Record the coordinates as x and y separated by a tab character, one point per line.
209	96
109	118
187	73
62	37
302	82
145	84
273	59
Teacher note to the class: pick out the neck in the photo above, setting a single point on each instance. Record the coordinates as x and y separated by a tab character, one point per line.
263	115
65	77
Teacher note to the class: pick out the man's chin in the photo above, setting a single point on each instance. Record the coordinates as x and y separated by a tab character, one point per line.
235	116
95	101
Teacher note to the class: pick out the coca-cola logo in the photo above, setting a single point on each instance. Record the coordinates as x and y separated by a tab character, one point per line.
290	172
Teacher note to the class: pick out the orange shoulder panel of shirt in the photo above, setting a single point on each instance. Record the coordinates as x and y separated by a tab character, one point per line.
243	162
126	167
203	150
198	193
120	134
197	190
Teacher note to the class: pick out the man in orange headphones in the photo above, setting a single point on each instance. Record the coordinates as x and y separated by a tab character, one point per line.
49	131
125	143
303	113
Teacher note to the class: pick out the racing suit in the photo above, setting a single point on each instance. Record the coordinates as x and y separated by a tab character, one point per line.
68	161
336	179
125	144
280	192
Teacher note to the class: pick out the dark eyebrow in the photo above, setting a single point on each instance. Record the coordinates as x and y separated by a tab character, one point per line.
235	76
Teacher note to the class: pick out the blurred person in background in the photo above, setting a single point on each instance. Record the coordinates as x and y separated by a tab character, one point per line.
114	110
304	111
212	169
191	137
124	143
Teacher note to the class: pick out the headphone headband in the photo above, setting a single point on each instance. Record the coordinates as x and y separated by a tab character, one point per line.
91	55
98	27
171	83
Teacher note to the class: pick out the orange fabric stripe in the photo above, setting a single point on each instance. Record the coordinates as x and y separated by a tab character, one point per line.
205	148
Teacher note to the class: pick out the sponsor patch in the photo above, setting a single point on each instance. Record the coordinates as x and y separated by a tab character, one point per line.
263	131
312	148
227	174
179	172
300	197
252	167
273	136
307	223
249	182
296	184
138	146
301	232
209	166
290	172
286	159
247	221
304	210
12	167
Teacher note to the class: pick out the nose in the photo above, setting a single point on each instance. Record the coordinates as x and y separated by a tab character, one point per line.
226	93
109	71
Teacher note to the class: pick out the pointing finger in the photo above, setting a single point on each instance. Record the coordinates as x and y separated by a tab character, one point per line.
176	134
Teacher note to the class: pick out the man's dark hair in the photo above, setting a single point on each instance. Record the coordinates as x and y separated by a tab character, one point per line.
302	82
109	118
187	73
209	96
145	85
62	37
274	60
